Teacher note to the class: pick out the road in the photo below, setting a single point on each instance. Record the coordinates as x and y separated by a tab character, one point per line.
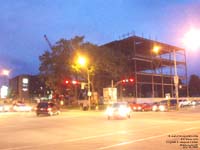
82	130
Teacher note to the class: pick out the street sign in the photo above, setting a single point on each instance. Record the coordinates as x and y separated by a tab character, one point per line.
176	79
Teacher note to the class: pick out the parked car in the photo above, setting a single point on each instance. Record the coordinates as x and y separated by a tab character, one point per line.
146	106
184	102
21	107
118	110
47	108
155	106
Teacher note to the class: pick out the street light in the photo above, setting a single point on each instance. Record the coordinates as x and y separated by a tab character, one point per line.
82	61
5	72
191	39
191	42
4	89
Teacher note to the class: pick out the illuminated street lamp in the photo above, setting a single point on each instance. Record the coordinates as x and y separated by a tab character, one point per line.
5	72
192	39
4	88
82	61
191	42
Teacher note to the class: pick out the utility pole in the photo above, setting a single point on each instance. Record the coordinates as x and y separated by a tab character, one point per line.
176	80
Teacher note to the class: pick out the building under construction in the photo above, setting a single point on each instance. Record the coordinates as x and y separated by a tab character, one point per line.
155	67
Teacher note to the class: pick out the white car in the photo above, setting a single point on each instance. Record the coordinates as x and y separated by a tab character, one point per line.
4	108
118	110
22	108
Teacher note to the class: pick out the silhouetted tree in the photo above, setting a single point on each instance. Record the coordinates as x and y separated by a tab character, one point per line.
194	85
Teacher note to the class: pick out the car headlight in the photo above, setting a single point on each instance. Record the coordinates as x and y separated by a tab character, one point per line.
162	108
109	111
193	103
154	108
1	108
123	111
7	108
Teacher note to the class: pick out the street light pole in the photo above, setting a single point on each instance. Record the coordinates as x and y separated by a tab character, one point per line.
89	92
83	62
176	80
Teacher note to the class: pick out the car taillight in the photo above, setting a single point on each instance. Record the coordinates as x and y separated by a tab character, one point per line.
49	109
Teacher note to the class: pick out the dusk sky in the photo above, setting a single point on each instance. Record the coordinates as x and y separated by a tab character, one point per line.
23	24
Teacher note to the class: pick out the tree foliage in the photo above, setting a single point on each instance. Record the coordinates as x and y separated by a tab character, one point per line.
194	85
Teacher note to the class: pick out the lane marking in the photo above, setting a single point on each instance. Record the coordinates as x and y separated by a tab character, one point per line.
77	139
144	139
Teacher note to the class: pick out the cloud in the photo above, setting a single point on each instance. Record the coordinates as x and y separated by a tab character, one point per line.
17	66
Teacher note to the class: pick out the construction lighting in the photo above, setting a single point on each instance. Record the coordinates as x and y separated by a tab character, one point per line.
156	49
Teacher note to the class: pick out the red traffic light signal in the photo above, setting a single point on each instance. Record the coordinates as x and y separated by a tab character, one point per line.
74	82
130	80
71	82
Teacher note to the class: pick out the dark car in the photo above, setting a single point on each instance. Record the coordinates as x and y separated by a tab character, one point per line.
47	108
167	104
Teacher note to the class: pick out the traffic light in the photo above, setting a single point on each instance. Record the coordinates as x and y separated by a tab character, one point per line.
130	80
74	82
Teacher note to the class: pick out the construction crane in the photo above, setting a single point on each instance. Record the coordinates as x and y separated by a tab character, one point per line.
49	43
69	44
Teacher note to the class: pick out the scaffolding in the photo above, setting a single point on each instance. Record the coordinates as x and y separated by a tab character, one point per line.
154	72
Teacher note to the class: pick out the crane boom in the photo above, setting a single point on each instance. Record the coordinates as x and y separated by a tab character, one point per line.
49	43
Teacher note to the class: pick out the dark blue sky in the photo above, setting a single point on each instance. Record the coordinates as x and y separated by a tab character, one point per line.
23	24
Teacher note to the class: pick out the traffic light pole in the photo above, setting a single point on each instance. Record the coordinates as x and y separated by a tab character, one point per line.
89	92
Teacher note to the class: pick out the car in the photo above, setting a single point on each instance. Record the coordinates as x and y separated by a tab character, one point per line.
5	108
118	110
21	107
135	106
47	108
146	106
155	106
184	103
165	105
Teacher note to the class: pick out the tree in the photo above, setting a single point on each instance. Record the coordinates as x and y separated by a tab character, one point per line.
194	85
58	64
55	64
